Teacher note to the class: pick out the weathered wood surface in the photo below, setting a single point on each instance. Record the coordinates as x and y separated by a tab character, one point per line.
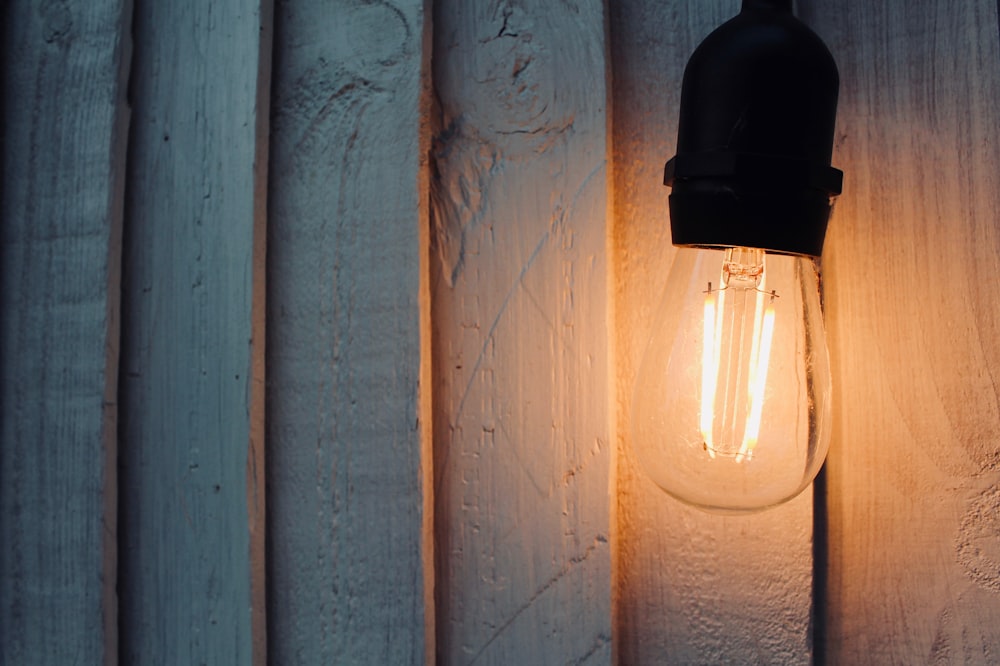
520	262
519	281
191	454
912	307
64	124
349	556
691	588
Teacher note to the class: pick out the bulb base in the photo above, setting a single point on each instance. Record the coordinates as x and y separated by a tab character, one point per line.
739	208
755	138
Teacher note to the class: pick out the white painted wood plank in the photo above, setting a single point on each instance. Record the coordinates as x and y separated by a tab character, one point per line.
191	572
912	304
519	282
348	425
64	121
691	587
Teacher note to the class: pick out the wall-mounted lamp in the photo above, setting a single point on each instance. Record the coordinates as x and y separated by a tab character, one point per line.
731	410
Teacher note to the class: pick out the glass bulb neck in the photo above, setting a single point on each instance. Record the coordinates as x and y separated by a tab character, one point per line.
743	267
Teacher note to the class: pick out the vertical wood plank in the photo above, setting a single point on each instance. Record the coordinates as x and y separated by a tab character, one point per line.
191	451
64	69
914	471
691	587
519	282
348	411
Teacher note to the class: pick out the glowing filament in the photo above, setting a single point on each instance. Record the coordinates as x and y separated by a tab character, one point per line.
709	371
758	382
748	279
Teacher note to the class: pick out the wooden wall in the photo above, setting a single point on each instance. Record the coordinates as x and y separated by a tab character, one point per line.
191	446
64	124
913	572
445	220
348	439
522	444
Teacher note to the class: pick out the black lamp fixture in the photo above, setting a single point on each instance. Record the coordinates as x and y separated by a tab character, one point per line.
731	411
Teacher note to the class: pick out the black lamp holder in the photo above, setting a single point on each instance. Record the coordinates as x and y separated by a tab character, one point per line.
755	137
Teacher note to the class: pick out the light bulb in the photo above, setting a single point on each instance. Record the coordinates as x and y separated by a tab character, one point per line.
731	411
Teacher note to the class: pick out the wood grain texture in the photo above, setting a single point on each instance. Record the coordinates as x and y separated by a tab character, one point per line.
191	455
914	471
519	284
65	67
691	587
348	421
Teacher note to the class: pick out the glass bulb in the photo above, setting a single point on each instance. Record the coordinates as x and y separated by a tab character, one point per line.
731	411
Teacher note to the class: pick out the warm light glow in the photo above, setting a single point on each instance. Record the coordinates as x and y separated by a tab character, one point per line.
731	405
709	371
